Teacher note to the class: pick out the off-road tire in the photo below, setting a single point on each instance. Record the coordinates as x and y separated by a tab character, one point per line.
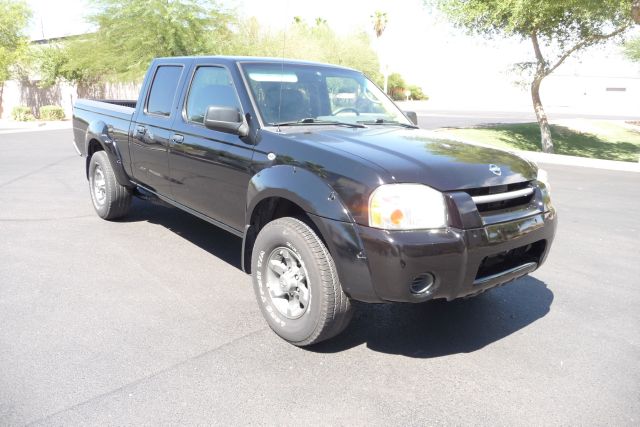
114	200
329	309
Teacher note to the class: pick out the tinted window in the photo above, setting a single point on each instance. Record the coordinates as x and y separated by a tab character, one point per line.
163	90
347	96
210	86
291	92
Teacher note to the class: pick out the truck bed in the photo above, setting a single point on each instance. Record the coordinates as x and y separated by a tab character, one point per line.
119	108
117	114
122	102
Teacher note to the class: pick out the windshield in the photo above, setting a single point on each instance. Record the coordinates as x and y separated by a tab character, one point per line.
288	93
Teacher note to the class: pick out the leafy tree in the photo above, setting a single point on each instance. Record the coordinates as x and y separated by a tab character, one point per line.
632	49
316	42
398	88
122	47
49	61
14	17
80	61
556	29
133	32
396	80
417	93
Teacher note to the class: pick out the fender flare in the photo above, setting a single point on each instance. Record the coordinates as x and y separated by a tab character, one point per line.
329	214
99	131
300	186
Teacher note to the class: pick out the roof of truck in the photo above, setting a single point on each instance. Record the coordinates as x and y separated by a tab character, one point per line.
266	60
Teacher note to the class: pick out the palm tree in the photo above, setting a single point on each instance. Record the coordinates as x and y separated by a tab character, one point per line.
380	21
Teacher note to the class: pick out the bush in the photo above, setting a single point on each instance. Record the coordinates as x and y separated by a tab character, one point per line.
51	112
397	89
22	114
417	94
397	93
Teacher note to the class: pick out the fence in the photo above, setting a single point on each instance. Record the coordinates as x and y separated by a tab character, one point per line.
29	94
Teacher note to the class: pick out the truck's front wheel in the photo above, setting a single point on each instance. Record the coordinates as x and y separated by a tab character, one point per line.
296	283
110	199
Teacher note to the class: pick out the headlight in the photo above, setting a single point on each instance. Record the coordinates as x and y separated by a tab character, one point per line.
406	207
543	177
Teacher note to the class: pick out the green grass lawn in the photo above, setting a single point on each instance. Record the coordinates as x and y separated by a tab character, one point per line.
598	139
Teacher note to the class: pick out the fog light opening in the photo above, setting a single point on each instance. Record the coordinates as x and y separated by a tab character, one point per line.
422	284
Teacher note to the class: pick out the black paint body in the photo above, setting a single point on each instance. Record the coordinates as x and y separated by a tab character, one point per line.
329	172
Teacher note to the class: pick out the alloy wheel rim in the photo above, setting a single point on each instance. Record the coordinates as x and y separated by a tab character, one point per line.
99	186
288	283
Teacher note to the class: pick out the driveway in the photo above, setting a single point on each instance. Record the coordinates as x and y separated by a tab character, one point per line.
150	321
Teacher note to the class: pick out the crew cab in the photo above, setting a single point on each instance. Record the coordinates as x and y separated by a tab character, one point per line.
336	193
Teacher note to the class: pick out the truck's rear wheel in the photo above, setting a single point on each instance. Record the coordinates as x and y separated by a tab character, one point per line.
110	199
296	283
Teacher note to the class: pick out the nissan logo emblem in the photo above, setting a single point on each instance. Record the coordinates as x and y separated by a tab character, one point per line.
495	169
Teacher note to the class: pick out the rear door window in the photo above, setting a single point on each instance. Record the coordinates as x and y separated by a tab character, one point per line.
163	90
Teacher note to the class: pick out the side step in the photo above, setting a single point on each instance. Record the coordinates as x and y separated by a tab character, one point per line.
148	196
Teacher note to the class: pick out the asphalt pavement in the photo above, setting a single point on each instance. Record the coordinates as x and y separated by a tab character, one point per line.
149	321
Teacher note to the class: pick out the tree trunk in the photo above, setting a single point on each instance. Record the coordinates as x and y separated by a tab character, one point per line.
545	131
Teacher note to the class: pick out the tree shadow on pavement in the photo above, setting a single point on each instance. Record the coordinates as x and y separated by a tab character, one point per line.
212	239
440	328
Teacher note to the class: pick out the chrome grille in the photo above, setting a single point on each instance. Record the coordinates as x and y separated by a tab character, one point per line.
500	197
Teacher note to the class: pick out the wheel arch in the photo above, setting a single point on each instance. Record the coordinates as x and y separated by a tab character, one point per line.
97	139
286	190
289	191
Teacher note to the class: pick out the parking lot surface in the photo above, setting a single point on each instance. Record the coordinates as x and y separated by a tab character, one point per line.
149	321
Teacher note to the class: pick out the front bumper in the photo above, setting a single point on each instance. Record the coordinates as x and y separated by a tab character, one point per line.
379	265
463	262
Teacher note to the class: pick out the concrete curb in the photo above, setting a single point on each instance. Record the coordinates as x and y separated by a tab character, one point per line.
561	159
9	127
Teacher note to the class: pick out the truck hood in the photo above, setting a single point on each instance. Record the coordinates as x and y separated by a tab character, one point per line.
419	156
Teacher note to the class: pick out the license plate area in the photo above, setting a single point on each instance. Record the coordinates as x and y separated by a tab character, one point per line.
507	231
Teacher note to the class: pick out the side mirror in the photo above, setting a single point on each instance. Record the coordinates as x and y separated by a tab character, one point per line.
225	119
411	115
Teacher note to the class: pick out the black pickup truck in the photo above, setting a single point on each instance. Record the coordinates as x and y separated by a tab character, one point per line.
335	192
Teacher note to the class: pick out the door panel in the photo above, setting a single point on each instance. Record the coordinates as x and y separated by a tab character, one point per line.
210	170
151	131
149	145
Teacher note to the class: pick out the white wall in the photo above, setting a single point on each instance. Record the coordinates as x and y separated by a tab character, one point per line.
591	94
63	94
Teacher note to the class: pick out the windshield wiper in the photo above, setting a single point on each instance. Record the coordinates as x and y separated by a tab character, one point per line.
388	122
312	121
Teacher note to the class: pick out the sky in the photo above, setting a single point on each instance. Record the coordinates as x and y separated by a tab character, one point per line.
417	42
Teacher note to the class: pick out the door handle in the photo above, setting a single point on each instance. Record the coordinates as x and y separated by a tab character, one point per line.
141	130
177	139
